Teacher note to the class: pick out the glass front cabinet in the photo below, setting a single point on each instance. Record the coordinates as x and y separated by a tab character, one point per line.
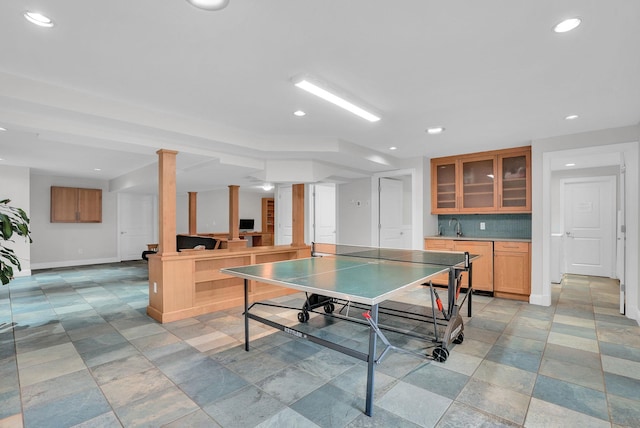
488	182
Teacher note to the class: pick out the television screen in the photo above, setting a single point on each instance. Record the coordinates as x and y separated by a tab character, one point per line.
246	224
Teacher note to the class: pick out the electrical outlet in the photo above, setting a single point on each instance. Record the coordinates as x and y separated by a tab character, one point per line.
482	225
155	288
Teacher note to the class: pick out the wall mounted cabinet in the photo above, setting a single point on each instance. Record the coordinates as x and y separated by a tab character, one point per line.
76	205
488	182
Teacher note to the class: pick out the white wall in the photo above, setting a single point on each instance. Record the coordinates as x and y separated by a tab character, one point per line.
354	212
213	210
624	140
71	244
15	186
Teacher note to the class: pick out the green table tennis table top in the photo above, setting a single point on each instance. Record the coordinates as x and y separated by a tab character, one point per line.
368	278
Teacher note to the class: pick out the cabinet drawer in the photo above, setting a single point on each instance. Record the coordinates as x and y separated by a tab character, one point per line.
515	247
439	244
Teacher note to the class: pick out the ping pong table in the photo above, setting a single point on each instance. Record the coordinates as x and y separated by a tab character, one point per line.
365	277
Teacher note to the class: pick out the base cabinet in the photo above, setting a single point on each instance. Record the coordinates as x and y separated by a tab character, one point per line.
504	267
482	267
512	269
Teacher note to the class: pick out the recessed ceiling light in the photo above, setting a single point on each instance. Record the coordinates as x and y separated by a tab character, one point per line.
571	117
2	129
209	4
567	25
316	88
569	164
97	169
435	130
393	148
267	186
38	19
299	113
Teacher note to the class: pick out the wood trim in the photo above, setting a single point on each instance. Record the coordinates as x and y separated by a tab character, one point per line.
234	212
193	213
167	200
297	195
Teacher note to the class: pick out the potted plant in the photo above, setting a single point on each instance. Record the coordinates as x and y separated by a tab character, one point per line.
12	221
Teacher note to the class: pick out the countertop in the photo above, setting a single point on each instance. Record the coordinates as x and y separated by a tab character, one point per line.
475	238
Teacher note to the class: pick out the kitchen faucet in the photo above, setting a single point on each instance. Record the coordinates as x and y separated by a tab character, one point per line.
458	226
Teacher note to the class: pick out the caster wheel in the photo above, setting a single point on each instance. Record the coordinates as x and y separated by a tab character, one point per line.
459	339
329	308
303	317
440	355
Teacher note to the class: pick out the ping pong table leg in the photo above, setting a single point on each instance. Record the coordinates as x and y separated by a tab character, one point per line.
371	361
246	314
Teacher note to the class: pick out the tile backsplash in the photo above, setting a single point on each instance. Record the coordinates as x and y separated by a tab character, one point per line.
517	226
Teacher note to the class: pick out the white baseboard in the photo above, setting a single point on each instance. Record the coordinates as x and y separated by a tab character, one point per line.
23	272
69	263
540	299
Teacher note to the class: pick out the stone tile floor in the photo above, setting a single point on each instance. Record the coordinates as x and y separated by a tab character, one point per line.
76	349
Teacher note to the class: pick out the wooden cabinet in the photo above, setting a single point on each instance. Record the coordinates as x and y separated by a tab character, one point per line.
76	205
268	221
512	270
514	181
482	267
504	267
488	182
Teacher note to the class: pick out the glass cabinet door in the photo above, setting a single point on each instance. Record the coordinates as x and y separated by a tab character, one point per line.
446	187
514	194
478	184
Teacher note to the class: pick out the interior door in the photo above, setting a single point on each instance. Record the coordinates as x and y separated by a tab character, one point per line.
137	220
324	213
621	237
589	220
391	207
284	216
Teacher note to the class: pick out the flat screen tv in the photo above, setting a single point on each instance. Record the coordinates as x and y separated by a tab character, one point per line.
246	224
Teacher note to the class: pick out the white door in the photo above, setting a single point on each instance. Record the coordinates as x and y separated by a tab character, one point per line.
589	224
621	237
391	208
284	216
324	213
137	220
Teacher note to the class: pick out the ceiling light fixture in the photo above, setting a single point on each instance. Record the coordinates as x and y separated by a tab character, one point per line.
571	117
569	164
393	148
267	186
38	19
209	4
316	88
435	130
567	25
299	113
2	129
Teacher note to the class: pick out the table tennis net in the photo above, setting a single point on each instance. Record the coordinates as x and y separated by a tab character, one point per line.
441	258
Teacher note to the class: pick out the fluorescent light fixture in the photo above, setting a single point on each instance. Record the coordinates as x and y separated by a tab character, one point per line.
571	117
569	164
567	25
38	19
435	130
316	89
299	113
209	4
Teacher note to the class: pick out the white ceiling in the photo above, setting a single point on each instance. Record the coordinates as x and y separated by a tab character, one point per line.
114	81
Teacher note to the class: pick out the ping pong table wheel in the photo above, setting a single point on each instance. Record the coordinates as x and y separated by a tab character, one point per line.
329	308
458	340
440	354
303	316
